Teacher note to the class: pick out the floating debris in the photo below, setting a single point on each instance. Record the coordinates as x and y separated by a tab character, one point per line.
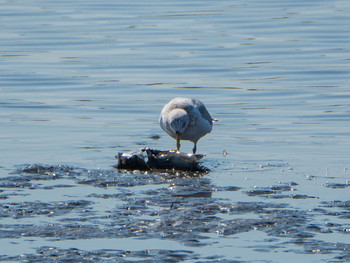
160	160
155	137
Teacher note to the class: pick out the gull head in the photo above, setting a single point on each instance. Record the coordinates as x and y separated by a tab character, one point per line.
178	119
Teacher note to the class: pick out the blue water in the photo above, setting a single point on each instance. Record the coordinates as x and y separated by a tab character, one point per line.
81	81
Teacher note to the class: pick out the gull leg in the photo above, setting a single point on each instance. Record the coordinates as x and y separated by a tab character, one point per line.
178	141
195	148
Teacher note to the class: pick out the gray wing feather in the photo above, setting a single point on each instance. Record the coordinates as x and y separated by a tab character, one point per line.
203	110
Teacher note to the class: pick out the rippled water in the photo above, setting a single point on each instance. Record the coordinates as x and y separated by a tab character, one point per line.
81	81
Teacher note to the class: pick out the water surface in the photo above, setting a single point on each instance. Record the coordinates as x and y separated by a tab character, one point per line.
83	81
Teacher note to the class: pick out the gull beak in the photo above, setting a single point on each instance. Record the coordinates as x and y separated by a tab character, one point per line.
178	141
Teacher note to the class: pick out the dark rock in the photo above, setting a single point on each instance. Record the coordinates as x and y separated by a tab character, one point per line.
160	160
132	161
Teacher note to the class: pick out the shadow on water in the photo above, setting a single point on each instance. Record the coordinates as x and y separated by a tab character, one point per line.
176	207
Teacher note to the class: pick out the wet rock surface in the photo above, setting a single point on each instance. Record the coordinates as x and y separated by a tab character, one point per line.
159	206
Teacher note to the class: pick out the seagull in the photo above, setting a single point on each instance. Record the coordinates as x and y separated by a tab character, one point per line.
185	119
